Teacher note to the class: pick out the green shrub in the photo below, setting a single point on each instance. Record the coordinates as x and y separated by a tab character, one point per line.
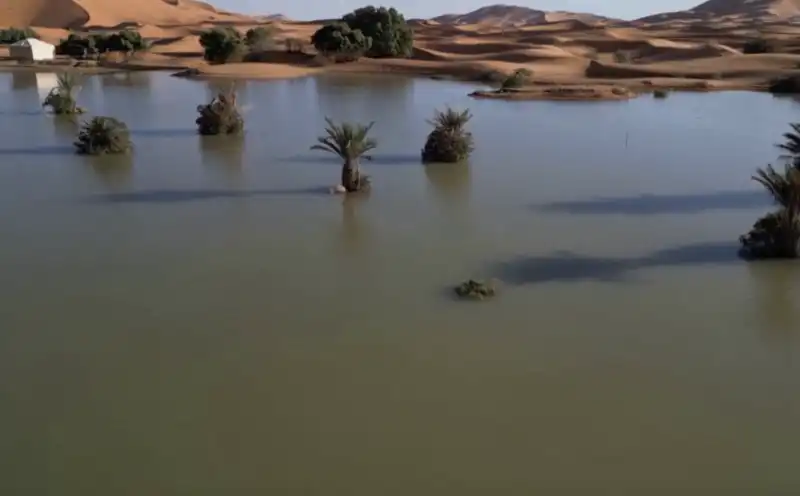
103	135
660	94
391	35
339	41
61	99
221	116
78	46
516	79
221	45
260	38
13	35
785	85
449	141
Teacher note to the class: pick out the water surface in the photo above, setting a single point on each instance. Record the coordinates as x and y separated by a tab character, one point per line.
199	319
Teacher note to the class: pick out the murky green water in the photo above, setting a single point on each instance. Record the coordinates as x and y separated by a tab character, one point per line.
200	320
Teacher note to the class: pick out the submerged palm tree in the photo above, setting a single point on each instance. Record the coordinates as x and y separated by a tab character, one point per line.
103	135
61	99
792	145
449	141
221	116
351	143
776	235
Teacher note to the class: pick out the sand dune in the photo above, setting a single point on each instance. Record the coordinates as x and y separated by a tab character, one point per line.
697	49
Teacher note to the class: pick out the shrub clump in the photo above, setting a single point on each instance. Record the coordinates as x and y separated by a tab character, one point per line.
12	35
223	45
102	136
62	98
785	85
388	33
516	79
449	141
77	46
340	43
221	116
475	290
660	93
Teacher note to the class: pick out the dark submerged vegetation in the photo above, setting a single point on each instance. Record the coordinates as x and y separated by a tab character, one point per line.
221	116
475	290
62	98
351	142
103	136
449	141
368	31
777	234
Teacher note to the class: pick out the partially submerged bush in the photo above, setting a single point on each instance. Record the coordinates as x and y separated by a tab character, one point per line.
221	116
103	135
785	85
62	98
660	93
351	143
222	45
340	42
449	141
475	290
12	35
516	79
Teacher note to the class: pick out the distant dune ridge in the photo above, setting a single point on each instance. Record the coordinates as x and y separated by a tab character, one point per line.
741	9
511	15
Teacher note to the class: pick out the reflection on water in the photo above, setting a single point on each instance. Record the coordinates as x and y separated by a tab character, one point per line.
450	183
114	172
224	154
137	79
22	80
777	291
65	127
388	97
355	231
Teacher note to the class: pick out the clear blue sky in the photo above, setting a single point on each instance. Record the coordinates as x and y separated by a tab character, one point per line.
320	9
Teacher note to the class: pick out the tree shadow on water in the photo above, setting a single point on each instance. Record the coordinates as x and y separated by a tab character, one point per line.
776	288
569	267
166	196
662	204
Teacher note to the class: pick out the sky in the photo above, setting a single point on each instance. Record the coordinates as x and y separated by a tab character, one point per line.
321	9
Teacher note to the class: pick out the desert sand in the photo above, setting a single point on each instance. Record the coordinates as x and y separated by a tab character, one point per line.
572	56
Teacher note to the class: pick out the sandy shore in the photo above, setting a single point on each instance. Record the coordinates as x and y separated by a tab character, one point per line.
570	59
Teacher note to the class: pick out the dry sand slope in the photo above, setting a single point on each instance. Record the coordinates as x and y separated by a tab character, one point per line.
571	55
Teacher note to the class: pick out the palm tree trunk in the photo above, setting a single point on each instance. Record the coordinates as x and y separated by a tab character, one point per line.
350	176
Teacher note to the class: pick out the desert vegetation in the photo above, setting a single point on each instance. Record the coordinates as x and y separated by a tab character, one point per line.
227	44
475	290
103	136
12	35
449	141
368	31
777	234
62	99
351	143
221	116
516	79
79	46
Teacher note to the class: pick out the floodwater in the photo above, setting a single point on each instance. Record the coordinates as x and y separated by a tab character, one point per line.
201	319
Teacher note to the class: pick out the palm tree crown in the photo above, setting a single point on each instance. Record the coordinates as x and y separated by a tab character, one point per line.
348	141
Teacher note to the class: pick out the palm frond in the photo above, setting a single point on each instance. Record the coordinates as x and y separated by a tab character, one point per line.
450	118
348	141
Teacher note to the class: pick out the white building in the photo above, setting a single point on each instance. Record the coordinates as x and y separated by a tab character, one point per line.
31	49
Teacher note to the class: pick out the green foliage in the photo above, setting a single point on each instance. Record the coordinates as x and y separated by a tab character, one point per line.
340	41
103	135
259	38
350	142
475	290
221	45
785	85
449	141
391	35
61	99
127	40
516	79
221	116
777	235
660	94
13	35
